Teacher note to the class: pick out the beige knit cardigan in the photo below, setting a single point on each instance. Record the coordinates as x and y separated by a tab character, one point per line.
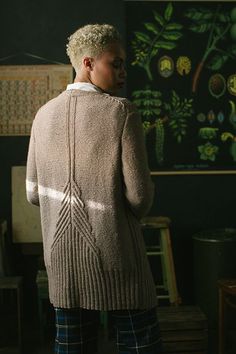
87	170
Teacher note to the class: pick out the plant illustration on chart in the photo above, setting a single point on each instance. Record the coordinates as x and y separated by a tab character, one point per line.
156	114
208	151
219	24
160	34
229	136
178	112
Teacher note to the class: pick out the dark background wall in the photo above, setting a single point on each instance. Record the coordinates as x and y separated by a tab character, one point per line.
193	202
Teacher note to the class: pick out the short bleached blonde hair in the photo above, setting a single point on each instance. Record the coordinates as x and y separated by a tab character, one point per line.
90	40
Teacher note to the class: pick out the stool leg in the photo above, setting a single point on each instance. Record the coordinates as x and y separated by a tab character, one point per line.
169	266
221	321
164	260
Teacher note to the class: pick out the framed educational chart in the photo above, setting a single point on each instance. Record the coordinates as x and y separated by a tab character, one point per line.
24	89
182	77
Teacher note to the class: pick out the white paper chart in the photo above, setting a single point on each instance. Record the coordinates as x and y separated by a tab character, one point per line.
24	89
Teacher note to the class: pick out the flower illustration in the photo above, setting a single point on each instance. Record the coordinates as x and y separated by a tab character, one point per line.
208	151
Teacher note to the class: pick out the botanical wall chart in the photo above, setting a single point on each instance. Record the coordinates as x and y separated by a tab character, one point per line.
182	77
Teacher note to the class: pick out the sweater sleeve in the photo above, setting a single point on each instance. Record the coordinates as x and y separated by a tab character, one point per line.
31	172
139	188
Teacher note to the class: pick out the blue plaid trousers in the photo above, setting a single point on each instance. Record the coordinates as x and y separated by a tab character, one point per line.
137	331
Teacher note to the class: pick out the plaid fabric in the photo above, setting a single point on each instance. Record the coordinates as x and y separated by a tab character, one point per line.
76	331
137	331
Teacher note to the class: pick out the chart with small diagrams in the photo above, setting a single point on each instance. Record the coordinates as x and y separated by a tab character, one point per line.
24	89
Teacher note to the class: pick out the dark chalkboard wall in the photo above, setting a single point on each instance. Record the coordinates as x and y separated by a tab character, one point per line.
193	203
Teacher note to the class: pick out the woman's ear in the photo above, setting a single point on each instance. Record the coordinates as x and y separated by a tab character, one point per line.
88	63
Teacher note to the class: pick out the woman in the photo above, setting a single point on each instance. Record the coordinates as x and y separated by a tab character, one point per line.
87	170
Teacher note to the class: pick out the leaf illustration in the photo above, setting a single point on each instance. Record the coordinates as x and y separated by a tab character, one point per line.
156	94
232	49
168	12
178	111
199	14
173	36
143	37
217	23
146	45
217	62
148	102
173	124
151	27
219	29
165	45
154	52
136	93
160	137
159	18
223	17
157	111
201	28
145	112
167	106
173	26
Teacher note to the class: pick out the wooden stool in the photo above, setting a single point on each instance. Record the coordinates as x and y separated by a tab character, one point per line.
227	290
164	250
9	282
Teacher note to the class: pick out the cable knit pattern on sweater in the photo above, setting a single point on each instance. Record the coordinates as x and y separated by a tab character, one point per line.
87	169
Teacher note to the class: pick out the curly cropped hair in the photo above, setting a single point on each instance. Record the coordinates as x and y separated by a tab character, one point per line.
90	40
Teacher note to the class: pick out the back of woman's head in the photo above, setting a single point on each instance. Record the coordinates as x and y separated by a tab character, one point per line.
90	40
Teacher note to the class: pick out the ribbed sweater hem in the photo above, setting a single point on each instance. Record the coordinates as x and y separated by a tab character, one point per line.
78	278
111	290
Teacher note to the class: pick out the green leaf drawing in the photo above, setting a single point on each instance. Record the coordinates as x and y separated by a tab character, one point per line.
217	23
154	52
151	27
178	112
160	138
165	45
155	114
198	14
168	12
161	35
159	18
223	17
173	26
143	37
201	28
208	133
232	50
217	62
219	29
173	36
148	102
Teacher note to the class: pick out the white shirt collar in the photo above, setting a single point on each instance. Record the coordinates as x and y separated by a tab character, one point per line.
85	86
